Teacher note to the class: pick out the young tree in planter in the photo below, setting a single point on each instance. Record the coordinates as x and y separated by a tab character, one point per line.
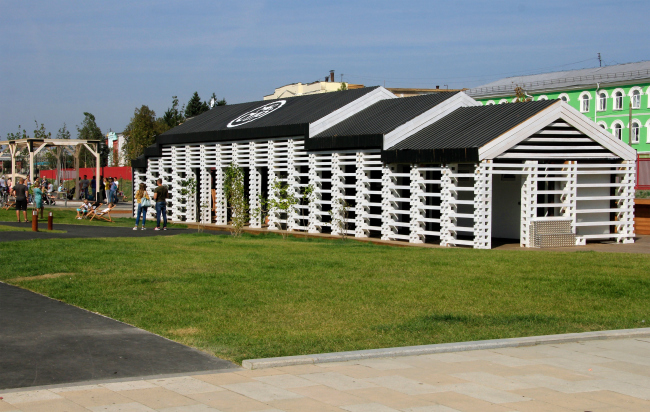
284	200
188	190
236	198
339	217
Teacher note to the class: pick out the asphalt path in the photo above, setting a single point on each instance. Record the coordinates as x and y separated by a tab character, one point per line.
86	231
45	341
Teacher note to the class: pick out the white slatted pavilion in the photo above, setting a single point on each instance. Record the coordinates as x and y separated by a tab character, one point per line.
418	169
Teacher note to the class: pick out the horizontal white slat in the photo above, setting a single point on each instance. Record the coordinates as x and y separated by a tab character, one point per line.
591	224
563	132
615	210
523	155
559	139
558	148
461	242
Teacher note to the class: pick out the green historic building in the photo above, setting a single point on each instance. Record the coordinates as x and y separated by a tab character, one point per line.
604	94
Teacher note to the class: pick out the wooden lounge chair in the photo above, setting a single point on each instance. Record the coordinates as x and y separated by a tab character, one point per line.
10	203
104	215
94	208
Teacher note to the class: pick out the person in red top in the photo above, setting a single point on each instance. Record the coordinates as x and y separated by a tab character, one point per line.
22	193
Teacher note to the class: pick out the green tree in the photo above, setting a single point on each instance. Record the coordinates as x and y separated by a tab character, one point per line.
88	130
21	134
141	132
173	116
40	132
344	86
195	106
236	198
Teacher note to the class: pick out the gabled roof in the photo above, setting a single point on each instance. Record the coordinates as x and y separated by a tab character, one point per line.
388	121
469	127
563	80
471	134
295	116
292	118
385	116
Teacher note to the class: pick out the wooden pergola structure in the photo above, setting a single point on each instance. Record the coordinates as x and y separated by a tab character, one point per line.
35	146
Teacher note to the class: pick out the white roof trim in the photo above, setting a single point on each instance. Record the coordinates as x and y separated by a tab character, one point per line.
427	118
559	110
349	109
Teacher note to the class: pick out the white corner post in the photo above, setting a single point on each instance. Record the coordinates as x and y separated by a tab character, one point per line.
417	202
274	215
292	185
361	199
315	206
570	198
221	211
528	202
387	203
254	187
447	205
206	186
483	205
337	196
626	203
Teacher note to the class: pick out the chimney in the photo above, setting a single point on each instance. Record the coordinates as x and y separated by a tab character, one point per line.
437	87
331	75
326	78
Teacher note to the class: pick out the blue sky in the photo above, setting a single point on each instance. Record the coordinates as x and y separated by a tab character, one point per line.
61	58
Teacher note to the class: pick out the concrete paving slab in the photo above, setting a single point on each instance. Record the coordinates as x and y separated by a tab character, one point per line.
44	342
422	387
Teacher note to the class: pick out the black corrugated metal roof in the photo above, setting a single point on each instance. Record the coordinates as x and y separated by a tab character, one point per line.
385	116
300	110
472	127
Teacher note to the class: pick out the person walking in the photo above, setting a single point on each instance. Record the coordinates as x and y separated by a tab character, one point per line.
102	189
38	197
83	186
117	189
93	188
160	196
113	191
143	200
21	192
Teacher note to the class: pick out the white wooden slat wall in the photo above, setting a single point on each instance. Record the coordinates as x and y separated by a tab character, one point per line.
409	194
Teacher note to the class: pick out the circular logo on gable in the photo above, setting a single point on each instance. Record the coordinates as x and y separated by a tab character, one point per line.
257	113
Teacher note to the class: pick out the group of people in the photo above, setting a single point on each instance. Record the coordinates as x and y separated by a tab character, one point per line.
142	199
86	209
108	189
41	191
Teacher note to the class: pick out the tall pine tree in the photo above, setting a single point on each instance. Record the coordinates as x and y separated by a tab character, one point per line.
195	106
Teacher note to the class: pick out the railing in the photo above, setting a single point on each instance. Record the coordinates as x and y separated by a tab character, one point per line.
592	77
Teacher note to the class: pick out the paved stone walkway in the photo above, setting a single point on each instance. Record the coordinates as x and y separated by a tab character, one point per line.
603	376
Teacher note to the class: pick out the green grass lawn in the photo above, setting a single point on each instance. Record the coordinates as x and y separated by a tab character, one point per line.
261	296
68	217
27	228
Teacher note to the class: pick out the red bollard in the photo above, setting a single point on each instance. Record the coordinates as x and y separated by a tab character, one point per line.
34	220
50	221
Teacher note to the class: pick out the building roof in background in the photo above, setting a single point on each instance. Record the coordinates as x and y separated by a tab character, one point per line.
565	79
385	115
472	127
415	90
